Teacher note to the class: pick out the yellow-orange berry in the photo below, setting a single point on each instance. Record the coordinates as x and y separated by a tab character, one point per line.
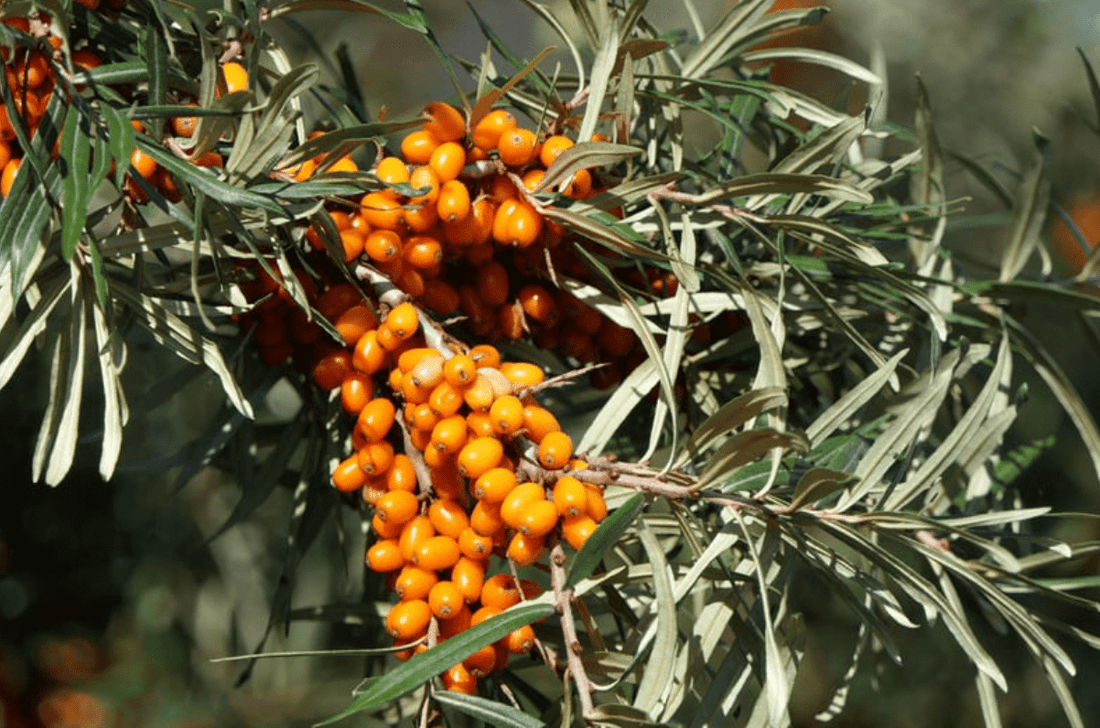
437	553
485	518
481	662
449	518
397	506
445	122
538	519
459	370
356	390
469	576
518	501
473	545
570	497
555	450
449	434
479	424
368	356
376	419
522	374
517	147
576	530
385	556
402	320
525	550
381	211
495	485
424	178
487	132
479	456
415	531
445	599
499	592
387	339
408	619
459	680
236	77
382	246
414	583
552	148
522	226
539	422
595	505
506	415
457	624
422	252
354	322
447	161
453	204
479	394
348	476
391	171
418	146
402	474
538	303
445	399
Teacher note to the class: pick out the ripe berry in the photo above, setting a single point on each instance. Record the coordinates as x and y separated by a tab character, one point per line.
408	619
517	147
385	556
479	394
538	303
485	518
445	599
570	497
348	476
520	640
416	531
447	161
479	456
595	505
518	501
236	77
539	422
487	132
381	211
424	178
552	148
354	322
428	372
459	370
506	414
445	399
485	355
382	246
473	545
449	434
414	583
457	624
449	518
445	122
402	320
525	550
368	356
576	530
385	529
555	449
375	458
495	485
522	374
499	592
469	576
481	662
418	146
329	371
459	680
437	553
376	419
397	506
538	519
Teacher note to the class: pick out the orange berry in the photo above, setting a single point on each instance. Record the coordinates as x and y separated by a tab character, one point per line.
469	576
414	583
576	530
391	171
373	489
479	394
517	147
424	178
356	390
375	458
532	178
446	482
437	553
422	251
423	418
385	556
183	126
416	531
473	545
538	303
459	680
555	449
499	592
418	649
145	165
343	164
479	456
485	355
523	226
336	300
481	662
459	370
403	320
421	219
503	214
428	372
440	298
570	496
376	419
539	422
418	146
385	529
380	210
487	132
495	485
445	122
402	474
522	497
368	356
445	599
449	434
408	619
552	148
595	505
453	203
236	77
414	393
330	370
447	161
457	624
437	459
397	506
383	245
449	518
445	399
479	424
355	322
492	285
507	415
485	518
482	212
387	339
520	640
522	374
348	476
539	519
581	184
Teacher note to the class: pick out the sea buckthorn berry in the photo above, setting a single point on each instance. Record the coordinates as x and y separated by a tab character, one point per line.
504	212
538	303
539	422
458	679
414	583
447	483
457	624
336	300
555	449
485	519
395	379
445	599
330	370
486	355
411	357
368	355
419	648
414	393
445	122
236	77
482	211
440	298
517	147
403	320
391	171
449	434
500	384
453	204
387	339
347	478
520	640
570	496
423	418
356	390
445	399
552	148
518	501
447	160
417	146
422	251
421	219
145	165
385	556
376	457
479	456
523	226
182	126
595	505
384	529
538	519
424	178
352	242
343	164
492	285
437	459
479	394
416	531
397	506
449	518
402	474
576	530
522	374
473	545
479	424
499	592
486	133
376	419
411	282
460	370
532	178
381	211
373	489
428	372
507	415
495	485
355	322
437	553
469	576
580	186
382	246
408	619
526	550
485	613
481	662
511	321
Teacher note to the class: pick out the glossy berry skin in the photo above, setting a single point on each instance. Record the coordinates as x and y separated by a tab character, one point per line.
555	450
385	555
479	456
408	619
437	553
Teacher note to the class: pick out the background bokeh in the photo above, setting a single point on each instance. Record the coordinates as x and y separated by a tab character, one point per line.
125	591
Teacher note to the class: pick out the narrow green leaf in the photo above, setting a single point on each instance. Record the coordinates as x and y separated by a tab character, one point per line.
658	671
156	60
489	711
406	20
602	539
77	184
